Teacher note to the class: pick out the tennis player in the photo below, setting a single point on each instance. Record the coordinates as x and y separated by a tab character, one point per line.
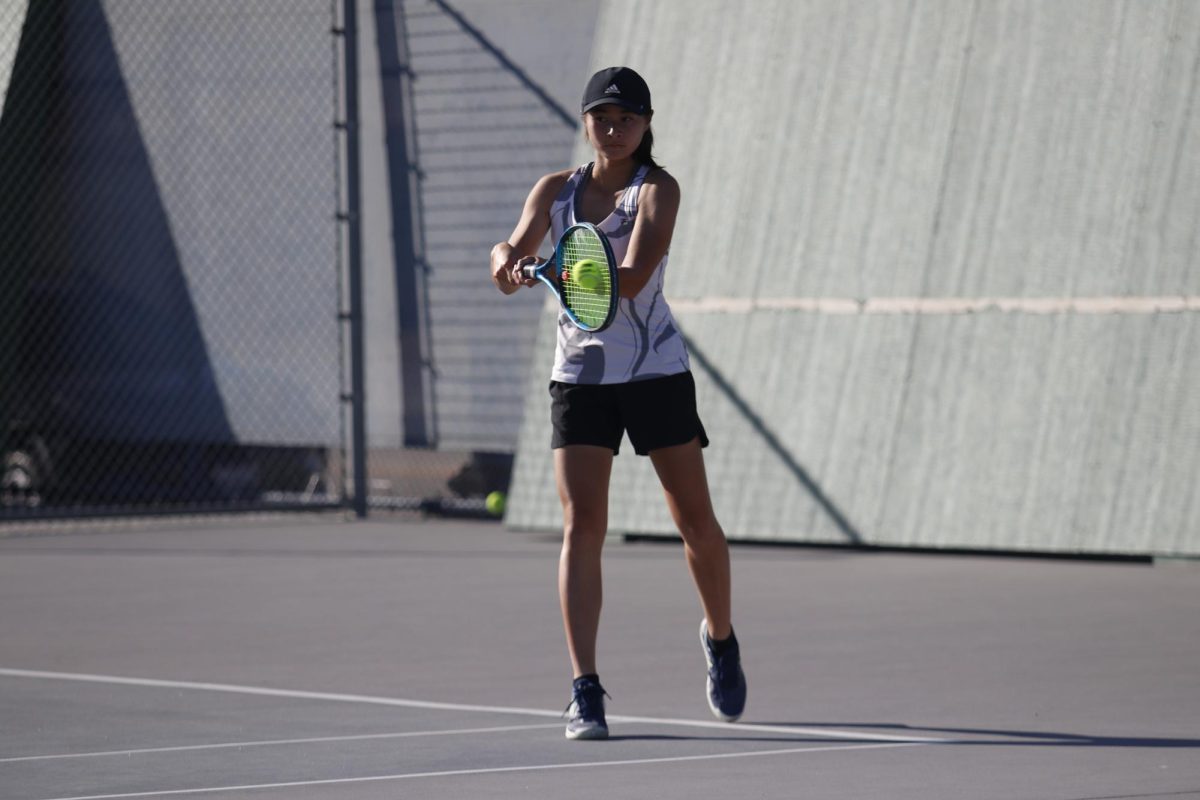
631	378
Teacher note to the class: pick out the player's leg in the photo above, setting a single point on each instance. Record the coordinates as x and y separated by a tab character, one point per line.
664	424
582	472
586	435
662	420
681	471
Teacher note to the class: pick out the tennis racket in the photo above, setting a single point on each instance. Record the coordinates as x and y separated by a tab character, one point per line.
582	274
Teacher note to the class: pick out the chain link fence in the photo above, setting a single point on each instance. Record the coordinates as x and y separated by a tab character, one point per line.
176	220
169	332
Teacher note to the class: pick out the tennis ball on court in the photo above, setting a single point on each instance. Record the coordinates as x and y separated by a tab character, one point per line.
495	503
586	274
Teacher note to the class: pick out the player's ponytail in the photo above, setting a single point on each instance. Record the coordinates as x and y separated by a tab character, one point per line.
643	154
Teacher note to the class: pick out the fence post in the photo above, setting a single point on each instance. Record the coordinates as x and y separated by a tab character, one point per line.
358	405
400	139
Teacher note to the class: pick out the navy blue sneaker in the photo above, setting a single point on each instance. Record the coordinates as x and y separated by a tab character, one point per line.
726	682
585	714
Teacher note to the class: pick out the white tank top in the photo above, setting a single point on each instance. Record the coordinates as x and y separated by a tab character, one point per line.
643	341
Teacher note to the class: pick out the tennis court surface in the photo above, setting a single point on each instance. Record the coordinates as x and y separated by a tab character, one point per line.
310	658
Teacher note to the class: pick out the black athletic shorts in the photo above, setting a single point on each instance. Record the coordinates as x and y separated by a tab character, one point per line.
659	412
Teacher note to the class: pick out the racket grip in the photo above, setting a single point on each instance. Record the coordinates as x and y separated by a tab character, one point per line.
530	271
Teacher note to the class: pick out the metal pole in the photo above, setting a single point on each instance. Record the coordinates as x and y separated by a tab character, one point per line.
354	266
395	77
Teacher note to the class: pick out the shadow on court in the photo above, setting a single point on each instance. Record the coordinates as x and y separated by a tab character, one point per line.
1007	737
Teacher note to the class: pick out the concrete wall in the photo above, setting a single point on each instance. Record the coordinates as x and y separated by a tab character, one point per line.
938	264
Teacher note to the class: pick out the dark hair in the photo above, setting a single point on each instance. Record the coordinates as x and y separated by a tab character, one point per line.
643	154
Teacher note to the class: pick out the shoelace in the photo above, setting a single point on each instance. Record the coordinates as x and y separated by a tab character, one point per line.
584	698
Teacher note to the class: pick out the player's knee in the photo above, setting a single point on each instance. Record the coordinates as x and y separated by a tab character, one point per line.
702	534
583	527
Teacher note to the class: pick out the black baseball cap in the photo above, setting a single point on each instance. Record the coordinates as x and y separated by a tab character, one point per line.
620	86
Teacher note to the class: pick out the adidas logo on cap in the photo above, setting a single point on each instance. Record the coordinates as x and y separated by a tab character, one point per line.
612	89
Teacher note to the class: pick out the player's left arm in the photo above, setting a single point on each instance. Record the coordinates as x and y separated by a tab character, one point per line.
658	205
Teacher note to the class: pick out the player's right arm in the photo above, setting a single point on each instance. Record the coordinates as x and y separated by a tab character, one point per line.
521	248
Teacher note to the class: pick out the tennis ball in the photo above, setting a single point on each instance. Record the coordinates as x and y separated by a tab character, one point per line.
586	274
495	503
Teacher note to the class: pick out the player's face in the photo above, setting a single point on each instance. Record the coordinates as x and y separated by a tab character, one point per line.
614	131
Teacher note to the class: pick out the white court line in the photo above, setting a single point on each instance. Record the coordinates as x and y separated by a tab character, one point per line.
493	770
261	691
276	742
940	305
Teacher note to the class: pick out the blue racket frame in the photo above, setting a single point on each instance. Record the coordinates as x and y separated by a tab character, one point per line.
555	265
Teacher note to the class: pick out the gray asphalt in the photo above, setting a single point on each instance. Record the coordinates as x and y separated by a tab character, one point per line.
309	657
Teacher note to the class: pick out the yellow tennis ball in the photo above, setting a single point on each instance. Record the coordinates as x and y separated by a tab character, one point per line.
495	503
586	274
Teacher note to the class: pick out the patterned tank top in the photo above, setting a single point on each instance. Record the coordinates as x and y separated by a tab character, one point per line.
643	341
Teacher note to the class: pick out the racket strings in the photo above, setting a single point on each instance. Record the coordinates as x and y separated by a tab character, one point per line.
589	305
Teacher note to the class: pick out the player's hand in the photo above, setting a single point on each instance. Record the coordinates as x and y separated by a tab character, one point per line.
504	263
518	271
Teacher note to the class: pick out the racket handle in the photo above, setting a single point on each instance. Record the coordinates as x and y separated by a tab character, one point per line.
530	271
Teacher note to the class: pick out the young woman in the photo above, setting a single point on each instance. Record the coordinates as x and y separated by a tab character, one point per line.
631	378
